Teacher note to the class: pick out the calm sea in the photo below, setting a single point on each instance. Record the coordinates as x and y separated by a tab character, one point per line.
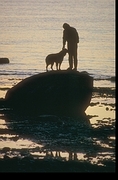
30	30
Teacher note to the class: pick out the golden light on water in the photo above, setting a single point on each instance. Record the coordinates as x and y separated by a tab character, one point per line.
100	113
19	144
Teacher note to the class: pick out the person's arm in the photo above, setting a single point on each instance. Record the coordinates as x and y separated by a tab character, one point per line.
64	40
77	36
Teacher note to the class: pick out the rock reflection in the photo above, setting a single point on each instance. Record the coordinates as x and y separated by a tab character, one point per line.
60	155
58	138
53	132
72	156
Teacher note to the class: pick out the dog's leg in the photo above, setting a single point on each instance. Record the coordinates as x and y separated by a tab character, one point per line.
52	66
46	67
59	66
56	66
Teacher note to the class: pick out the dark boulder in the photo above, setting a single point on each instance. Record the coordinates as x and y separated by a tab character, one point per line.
4	60
55	92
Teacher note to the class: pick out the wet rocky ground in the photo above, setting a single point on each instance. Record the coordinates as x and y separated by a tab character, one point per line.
61	144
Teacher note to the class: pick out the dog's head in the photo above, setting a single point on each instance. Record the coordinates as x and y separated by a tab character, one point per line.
64	51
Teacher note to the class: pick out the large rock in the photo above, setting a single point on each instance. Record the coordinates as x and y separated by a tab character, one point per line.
4	60
55	92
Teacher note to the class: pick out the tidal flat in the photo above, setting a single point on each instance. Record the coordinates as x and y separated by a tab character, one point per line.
48	143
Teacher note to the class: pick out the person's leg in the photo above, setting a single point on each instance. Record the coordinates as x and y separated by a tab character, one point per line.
75	58
75	63
70	61
70	57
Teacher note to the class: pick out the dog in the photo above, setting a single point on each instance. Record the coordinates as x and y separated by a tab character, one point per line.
55	58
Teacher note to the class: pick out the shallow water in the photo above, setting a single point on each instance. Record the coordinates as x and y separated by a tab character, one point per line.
32	29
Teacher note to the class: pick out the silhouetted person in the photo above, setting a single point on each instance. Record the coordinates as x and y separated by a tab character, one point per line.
70	35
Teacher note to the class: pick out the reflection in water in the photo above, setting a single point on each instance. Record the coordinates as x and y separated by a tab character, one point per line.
72	156
56	138
65	156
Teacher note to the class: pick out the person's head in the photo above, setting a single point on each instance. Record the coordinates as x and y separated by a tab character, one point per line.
66	26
